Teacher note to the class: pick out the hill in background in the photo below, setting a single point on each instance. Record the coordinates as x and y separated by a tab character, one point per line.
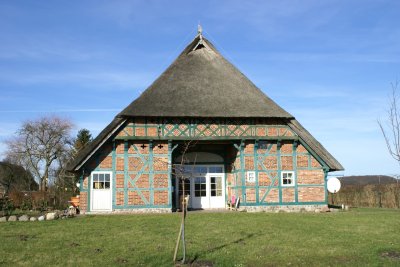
367	180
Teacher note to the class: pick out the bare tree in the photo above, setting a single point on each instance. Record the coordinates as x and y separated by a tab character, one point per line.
38	145
182	175
391	127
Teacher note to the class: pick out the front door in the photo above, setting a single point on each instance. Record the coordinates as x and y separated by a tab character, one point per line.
200	192
206	186
217	196
208	191
101	194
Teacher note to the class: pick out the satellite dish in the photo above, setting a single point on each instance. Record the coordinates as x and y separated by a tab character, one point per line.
333	185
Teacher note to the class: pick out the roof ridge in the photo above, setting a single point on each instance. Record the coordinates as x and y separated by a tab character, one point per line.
200	82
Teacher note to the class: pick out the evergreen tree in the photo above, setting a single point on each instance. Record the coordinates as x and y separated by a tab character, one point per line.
83	138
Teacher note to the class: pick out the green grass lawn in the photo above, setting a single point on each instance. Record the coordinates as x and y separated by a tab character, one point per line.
356	238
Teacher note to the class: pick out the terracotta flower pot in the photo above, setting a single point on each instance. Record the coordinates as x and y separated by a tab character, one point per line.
74	201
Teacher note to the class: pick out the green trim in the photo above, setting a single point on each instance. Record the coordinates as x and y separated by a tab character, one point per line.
114	176
139	173
89	208
326	185
206	138
170	185
268	172
225	176
202	163
318	158
81	180
294	155
168	128
255	159
126	175
151	174
170	173
242	172
235	171
278	155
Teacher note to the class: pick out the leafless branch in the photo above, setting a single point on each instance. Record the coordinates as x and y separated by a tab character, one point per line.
391	128
38	145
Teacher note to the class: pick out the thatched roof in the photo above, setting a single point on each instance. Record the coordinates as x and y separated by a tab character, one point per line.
316	146
91	148
202	83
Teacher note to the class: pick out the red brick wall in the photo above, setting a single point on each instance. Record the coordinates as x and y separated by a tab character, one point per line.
288	194
139	168
311	194
315	177
138	172
308	171
83	201
161	197
203	128
309	174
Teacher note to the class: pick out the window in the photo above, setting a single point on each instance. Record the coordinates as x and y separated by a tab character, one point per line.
200	169
263	145
251	177
216	186
215	169
200	187
287	178
101	180
187	187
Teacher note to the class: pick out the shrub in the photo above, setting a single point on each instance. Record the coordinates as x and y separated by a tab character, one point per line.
6	206
26	203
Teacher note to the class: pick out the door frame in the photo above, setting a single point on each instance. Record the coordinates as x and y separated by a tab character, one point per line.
207	175
208	182
91	190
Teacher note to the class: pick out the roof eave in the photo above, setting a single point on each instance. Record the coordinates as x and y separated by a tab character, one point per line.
85	154
315	146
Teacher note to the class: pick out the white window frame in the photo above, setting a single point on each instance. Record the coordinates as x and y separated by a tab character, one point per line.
293	178
251	176
101	172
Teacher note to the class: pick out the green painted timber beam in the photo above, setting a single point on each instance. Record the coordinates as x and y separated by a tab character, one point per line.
206	138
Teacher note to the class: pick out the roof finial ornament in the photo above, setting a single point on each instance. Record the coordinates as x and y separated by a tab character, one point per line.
200	42
200	31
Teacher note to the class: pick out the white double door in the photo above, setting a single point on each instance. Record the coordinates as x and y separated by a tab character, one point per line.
207	191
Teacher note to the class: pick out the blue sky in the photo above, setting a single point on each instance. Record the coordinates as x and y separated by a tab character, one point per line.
328	63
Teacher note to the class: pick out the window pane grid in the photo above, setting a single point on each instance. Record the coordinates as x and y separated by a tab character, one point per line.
187	187
216	186
287	178
200	187
101	181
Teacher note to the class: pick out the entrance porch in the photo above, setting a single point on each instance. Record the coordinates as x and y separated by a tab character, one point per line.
204	168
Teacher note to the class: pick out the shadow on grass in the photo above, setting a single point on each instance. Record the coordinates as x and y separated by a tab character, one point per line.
194	261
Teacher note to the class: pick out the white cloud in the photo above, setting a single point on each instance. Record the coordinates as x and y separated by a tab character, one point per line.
344	57
110	80
44	47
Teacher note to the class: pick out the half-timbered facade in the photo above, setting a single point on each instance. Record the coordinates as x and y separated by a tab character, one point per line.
204	118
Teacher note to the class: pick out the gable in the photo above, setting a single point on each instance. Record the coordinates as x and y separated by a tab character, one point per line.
202	83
